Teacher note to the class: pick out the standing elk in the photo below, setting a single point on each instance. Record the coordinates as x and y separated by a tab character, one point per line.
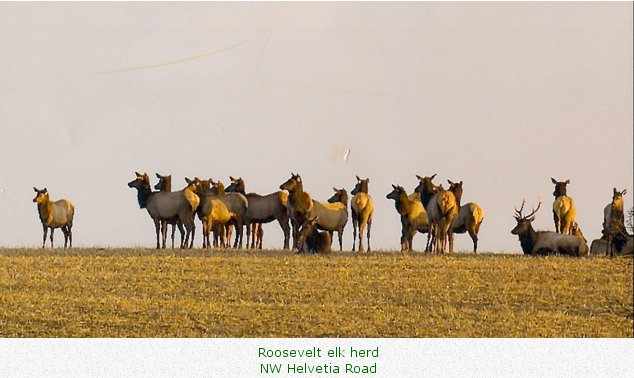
413	215
441	211
237	205
312	240
362	211
55	214
263	209
545	242
299	204
469	216
564	210
164	184
164	206
426	189
332	215
614	232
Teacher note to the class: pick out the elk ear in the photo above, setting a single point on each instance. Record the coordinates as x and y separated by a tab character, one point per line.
531	218
623	192
553	180
358	179
231	178
36	191
450	182
299	179
393	186
335	189
44	190
567	182
419	178
434	175
614	191
137	174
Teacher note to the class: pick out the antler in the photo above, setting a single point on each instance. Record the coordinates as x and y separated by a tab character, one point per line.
535	210
519	212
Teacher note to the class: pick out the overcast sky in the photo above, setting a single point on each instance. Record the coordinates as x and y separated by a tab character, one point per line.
500	95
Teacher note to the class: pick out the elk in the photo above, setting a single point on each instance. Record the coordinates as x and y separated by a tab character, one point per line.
165	185
426	189
299	204
564	210
545	242
213	214
237	205
413	215
614	232
441	211
332	215
164	206
312	240
263	209
469	216
362	211
55	214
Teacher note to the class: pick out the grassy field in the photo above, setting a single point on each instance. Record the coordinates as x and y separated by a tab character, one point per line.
149	293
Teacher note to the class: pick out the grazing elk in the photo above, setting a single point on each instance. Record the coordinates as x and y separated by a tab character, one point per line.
545	242
469	216
164	206
564	210
362	211
300	204
312	240
332	215
237	205
55	214
165	185
263	209
413	215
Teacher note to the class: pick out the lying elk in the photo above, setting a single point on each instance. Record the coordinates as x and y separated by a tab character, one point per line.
545	242
564	210
263	209
237	205
165	206
469	216
164	184
300	204
312	240
413	215
362	211
55	214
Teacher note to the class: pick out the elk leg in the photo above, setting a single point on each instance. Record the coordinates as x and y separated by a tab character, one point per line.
474	237
44	239
260	236
163	232
52	229
286	230
65	232
355	222
369	224
358	225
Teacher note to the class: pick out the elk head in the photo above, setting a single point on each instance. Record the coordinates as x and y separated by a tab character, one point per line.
524	221
164	182
560	187
237	185
307	229
41	196
396	192
361	187
341	195
142	181
293	183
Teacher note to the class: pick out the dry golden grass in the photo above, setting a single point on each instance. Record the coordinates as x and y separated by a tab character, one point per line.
149	293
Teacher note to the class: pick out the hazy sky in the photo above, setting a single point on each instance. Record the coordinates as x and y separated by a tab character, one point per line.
500	95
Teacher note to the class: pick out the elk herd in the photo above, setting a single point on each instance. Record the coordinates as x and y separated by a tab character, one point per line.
430	209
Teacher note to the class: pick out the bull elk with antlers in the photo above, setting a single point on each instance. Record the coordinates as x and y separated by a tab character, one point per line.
545	242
